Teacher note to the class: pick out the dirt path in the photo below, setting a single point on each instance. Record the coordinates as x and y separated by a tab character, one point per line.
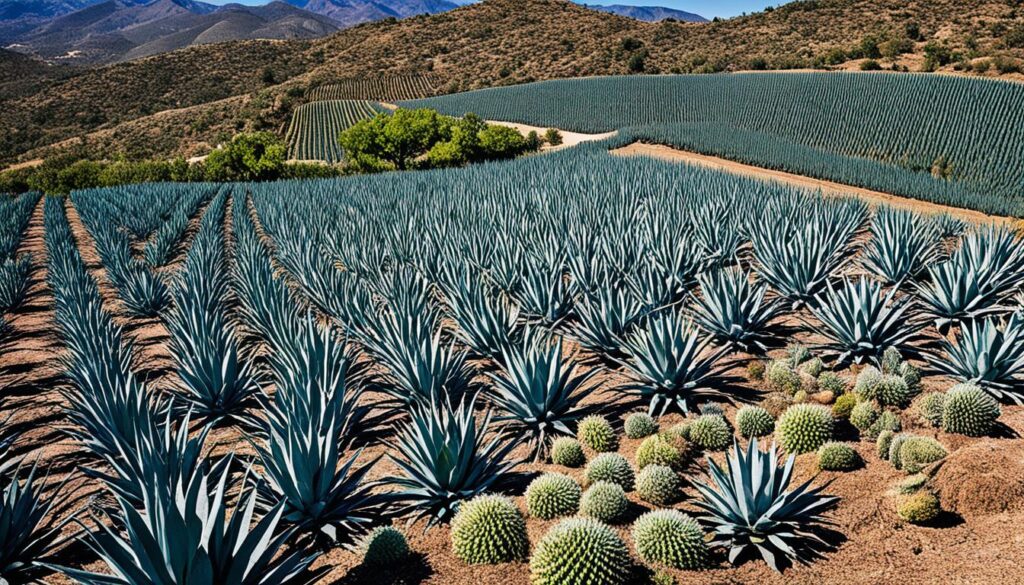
830	188
569	139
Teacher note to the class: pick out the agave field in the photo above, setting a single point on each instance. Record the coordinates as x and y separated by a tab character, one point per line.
564	369
313	132
379	89
951	140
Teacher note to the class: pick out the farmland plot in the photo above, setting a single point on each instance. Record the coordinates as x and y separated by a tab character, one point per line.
313	133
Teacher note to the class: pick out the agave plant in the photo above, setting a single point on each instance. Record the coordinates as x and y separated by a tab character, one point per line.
977	279
749	508
988	353
735	312
488	325
189	532
14	275
604	320
141	291
30	530
538	394
902	245
655	288
311	419
446	459
673	366
861	321
544	294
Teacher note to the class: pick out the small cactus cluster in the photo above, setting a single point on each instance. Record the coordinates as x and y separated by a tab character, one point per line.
919	507
867	380
489	529
710	432
916	452
755	370
658	484
670	538
929	408
667	449
781	377
804	428
754	421
610	467
844	404
829	381
887	421
604	501
383	546
596	433
797	355
580	550
863	415
639	425
833	456
776	403
813	367
883	443
712	408
553	495
969	410
567	452
893	390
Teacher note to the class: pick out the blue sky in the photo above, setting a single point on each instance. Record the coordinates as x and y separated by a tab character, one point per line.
706	8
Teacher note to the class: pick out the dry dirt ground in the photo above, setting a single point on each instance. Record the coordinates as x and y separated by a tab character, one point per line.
828	188
981	484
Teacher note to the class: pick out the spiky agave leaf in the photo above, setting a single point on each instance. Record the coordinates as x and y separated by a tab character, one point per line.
544	294
486	323
734	310
14	273
189	532
902	245
749	507
655	288
605	319
861	321
977	279
674	366
312	417
446	459
30	531
988	353
538	394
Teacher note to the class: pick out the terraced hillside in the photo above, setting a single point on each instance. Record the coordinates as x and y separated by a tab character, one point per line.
391	88
313	133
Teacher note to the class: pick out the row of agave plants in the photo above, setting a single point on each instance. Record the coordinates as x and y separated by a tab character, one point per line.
14	267
407	307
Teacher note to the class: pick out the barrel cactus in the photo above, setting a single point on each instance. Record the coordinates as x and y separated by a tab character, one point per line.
553	495
832	382
640	425
711	432
658	484
867	381
754	421
804	427
567	452
596	433
918	452
782	377
929	408
969	410
580	551
383	546
843	406
610	467
489	529
892	390
670	538
887	421
834	456
604	501
883	443
919	508
863	415
662	449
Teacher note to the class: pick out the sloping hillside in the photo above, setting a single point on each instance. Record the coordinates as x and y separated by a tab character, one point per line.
502	42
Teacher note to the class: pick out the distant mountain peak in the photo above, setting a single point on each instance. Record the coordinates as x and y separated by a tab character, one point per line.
649	13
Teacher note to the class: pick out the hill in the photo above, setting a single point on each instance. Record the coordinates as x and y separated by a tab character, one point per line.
649	13
504	42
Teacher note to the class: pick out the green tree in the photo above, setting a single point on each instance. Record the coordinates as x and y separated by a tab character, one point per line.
393	140
498	142
257	156
553	137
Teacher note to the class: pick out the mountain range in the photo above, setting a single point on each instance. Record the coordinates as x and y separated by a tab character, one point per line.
90	32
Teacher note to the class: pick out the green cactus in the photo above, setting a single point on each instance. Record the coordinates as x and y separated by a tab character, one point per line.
883	443
681	430
604	501
912	376
929	408
863	415
969	410
596	433
887	421
919	508
918	452
804	427
894	449
489	529
670	538
658	484
843	406
662	449
796	355
833	456
867	381
912	483
553	495
813	367
781	377
893	390
832	382
891	361
580	551
639	425
754	421
711	432
567	452
610	467
385	545
755	370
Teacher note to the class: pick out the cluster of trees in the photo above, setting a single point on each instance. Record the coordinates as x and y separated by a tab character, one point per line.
418	139
258	156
